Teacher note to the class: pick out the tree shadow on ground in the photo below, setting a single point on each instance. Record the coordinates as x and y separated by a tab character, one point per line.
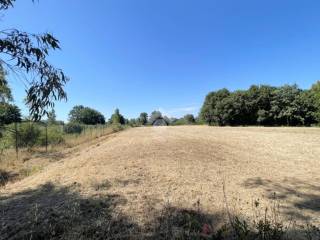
51	212
51	155
6	176
298	194
56	212
178	223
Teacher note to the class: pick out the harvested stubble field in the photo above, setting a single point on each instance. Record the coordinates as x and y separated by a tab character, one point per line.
138	171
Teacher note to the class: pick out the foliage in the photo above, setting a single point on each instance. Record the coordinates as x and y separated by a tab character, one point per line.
5	4
134	122
189	119
117	118
73	128
28	135
53	136
38	134
315	95
9	113
173	120
214	110
177	223
86	115
143	118
116	127
29	53
166	119
154	116
285	106
260	105
5	91
52	117
177	122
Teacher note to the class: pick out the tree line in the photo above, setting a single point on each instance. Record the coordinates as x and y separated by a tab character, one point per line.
88	116
263	105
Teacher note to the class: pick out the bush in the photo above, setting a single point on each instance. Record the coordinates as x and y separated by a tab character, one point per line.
55	136
28	135
179	122
117	118
117	127
189	119
73	128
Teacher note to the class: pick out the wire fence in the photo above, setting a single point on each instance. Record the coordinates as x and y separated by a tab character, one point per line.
30	135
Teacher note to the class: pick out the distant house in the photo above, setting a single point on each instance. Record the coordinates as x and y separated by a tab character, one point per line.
159	122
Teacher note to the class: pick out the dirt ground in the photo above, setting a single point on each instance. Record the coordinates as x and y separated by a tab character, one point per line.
185	166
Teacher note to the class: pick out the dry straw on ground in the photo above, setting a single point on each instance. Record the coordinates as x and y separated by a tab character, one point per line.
144	168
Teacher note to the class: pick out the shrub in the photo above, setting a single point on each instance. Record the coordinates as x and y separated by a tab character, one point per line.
189	119
178	122
55	136
117	127
73	128
28	135
117	118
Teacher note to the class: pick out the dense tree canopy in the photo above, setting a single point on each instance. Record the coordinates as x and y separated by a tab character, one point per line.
189	119
315	95
117	118
9	113
143	118
5	91
261	105
26	52
86	115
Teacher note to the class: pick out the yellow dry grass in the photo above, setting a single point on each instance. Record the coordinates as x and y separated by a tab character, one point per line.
150	166
29	161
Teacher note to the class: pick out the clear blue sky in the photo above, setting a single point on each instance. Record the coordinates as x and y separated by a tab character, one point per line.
142	55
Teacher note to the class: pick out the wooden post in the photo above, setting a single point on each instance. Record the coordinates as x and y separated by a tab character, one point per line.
46	137
16	138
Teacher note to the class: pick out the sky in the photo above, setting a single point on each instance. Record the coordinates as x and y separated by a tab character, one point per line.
167	55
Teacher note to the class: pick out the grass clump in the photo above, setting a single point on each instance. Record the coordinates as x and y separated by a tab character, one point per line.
189	224
116	127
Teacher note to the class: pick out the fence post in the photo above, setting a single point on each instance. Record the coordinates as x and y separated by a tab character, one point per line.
46	137
16	138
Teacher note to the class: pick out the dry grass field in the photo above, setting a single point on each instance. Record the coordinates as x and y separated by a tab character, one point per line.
133	174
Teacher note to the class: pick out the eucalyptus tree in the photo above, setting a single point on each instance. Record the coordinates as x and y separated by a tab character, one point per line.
26	54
